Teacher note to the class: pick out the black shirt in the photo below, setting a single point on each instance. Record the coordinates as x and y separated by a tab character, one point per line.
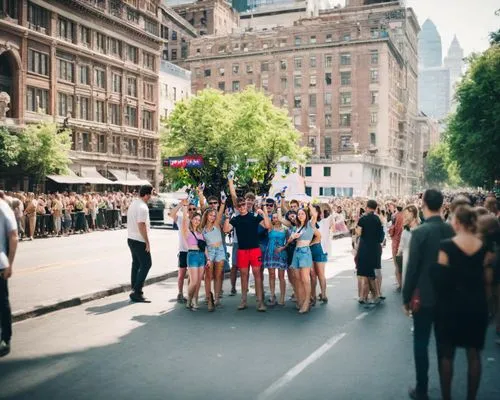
247	230
372	231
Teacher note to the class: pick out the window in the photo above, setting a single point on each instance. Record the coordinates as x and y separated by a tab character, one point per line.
149	61
208	72
297	121
115	47
374	33
65	29
265	84
297	101
328	121
312	100
65	70
86	142
312	120
37	100
117	83
84	111
328	78
328	99
297	81
132	15
297	41
312	61
345	78
222	86
374	75
328	38
345	120
116	148
345	143
184	51
236	69
132	86
174	93
174	35
101	144
100	78
373	118
85	36
283	42
147	120
284	83
100	42
99	111
150	26
132	54
283	65
298	62
222	71
148	90
236	86
345	59
84	72
164	90
308	189
374	56
345	99
264	66
38	18
328	146
132	147
38	62
147	149
174	55
312	81
64	105
328	61
249	68
373	139
131	116
308	171
374	97
312	39
114	112
347	36
327	171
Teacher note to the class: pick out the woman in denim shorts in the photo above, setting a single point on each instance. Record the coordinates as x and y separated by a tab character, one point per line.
196	260
319	258
302	259
210	225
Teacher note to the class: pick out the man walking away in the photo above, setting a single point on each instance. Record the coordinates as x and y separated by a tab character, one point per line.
8	247
138	227
424	248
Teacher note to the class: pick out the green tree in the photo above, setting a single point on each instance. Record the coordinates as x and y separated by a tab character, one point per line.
44	150
9	149
472	132
241	129
436	166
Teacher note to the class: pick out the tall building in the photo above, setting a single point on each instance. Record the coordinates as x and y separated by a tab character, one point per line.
434	79
349	80
454	61
174	85
94	65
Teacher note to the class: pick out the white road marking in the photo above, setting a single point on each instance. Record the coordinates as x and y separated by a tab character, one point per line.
271	391
361	316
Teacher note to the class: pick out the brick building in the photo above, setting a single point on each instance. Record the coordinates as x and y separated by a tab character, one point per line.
95	64
349	80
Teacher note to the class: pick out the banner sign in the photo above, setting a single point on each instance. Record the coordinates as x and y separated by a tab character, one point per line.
191	161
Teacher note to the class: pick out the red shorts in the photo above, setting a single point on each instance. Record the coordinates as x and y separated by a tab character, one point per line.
249	258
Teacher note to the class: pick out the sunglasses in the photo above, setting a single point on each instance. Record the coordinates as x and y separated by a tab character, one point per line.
269	205
213	202
242	205
192	209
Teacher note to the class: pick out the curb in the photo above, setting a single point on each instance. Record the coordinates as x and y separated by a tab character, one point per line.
77	301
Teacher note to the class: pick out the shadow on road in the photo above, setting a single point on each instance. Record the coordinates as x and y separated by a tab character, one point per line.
107	308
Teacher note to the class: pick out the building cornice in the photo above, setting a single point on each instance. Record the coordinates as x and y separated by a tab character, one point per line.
179	21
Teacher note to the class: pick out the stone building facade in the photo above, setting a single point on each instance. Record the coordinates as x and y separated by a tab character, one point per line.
93	65
349	81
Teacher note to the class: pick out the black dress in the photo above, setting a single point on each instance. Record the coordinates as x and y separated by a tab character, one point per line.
461	306
369	250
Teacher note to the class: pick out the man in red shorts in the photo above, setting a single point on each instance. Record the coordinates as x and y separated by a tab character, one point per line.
246	225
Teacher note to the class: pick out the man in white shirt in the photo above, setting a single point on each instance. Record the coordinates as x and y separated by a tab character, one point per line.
8	247
138	227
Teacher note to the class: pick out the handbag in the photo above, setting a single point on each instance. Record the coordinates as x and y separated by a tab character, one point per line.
415	301
202	244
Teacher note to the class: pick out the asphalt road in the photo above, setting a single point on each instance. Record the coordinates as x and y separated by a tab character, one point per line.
113	349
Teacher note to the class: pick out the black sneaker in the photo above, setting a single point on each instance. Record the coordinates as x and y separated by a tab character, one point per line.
181	298
4	348
413	394
138	298
233	292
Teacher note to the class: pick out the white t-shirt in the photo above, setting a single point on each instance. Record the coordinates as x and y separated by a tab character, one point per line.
8	224
137	212
182	242
324	228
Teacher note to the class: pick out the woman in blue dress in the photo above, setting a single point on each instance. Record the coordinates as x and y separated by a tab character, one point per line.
275	258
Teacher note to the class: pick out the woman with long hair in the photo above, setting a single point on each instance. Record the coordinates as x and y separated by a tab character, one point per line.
196	257
319	256
410	222
461	300
211	229
290	221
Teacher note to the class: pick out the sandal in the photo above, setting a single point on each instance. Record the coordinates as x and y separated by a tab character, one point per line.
323	299
261	307
272	301
243	306
211	306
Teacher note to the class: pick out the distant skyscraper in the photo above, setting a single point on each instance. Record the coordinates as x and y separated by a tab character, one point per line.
455	63
429	46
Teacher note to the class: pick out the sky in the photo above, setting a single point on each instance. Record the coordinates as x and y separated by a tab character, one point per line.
470	20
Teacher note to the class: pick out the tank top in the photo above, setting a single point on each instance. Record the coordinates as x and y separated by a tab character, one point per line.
213	237
192	240
307	233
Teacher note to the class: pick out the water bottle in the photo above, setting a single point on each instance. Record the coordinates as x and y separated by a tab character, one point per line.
223	196
230	176
202	186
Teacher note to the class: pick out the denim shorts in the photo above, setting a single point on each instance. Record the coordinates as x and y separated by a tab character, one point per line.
317	253
302	258
196	259
216	254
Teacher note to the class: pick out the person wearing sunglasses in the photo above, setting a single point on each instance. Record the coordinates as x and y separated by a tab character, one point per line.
249	255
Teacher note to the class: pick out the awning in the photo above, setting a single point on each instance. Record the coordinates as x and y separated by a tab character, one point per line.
126	178
71	178
92	176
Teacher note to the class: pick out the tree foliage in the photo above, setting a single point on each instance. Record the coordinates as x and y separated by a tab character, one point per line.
243	130
473	132
10	148
439	169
